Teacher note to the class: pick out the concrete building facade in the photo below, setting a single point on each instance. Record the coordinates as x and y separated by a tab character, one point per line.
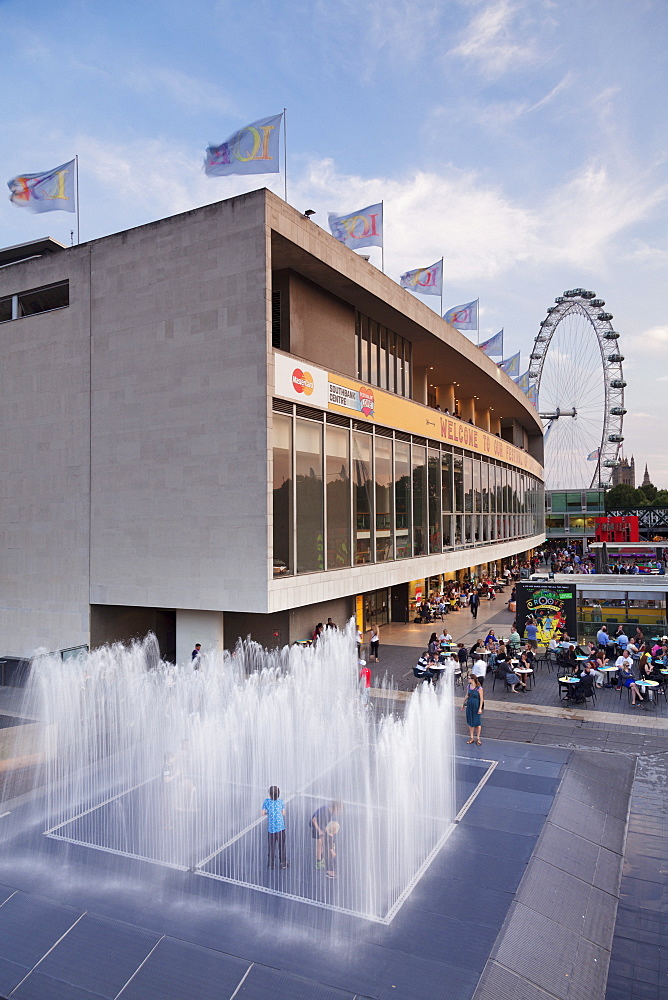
149	388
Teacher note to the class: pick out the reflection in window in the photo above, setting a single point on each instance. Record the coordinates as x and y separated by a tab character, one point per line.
458	468
308	458
468	485
402	497
384	490
434	490
338	497
419	500
282	495
362	497
446	481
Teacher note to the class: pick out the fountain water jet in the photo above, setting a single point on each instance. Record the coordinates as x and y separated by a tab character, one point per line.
171	765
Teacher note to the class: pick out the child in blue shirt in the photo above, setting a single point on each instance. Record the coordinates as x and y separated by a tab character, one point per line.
274	809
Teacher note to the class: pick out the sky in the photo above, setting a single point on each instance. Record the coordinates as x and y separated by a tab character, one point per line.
522	140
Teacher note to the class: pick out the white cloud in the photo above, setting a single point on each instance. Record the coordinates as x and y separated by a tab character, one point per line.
494	40
189	91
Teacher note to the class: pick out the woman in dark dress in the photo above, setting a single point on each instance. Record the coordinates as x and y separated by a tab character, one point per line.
473	703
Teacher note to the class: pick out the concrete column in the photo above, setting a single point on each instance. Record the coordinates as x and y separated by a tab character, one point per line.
482	419
495	425
205	627
467	408
445	397
420	383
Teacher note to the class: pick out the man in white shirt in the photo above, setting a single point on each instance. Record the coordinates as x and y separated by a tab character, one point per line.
623	662
479	668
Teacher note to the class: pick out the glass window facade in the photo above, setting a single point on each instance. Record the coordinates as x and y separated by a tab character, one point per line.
282	526
309	496
343	496
337	471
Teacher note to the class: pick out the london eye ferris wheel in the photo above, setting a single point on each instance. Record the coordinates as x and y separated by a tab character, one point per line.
576	366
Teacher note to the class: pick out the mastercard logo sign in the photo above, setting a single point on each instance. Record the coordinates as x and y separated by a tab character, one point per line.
302	382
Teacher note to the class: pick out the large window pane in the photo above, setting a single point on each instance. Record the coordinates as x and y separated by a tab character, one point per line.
308	458
448	537
362	497
477	489
492	488
434	488
402	498
484	484
419	500
338	497
282	497
384	497
446	481
468	485
458	469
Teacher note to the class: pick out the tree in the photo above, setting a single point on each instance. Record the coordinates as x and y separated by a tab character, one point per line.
623	495
661	499
649	490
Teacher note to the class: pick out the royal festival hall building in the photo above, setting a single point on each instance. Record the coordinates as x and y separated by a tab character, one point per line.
227	423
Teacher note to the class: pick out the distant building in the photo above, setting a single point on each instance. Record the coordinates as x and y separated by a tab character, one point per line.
646	481
625	473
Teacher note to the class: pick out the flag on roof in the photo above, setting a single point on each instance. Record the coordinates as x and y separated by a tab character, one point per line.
533	395
425	280
52	191
463	317
254	149
593	457
363	228
494	346
511	366
523	382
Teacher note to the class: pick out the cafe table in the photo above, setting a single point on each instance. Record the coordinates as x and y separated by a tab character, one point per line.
610	671
566	682
648	688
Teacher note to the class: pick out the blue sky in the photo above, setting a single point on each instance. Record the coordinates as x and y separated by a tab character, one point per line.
523	140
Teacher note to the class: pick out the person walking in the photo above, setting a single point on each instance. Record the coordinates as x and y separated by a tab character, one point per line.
474	703
274	809
374	643
474	603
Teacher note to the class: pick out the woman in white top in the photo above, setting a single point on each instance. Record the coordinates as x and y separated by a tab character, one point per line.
374	642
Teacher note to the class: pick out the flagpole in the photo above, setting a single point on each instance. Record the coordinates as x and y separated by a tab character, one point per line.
477	316
76	175
382	245
441	288
285	153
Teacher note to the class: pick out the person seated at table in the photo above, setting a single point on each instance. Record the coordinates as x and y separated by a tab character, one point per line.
628	680
580	691
479	669
445	638
434	646
442	606
623	662
649	670
491	640
475	649
528	656
506	672
422	670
